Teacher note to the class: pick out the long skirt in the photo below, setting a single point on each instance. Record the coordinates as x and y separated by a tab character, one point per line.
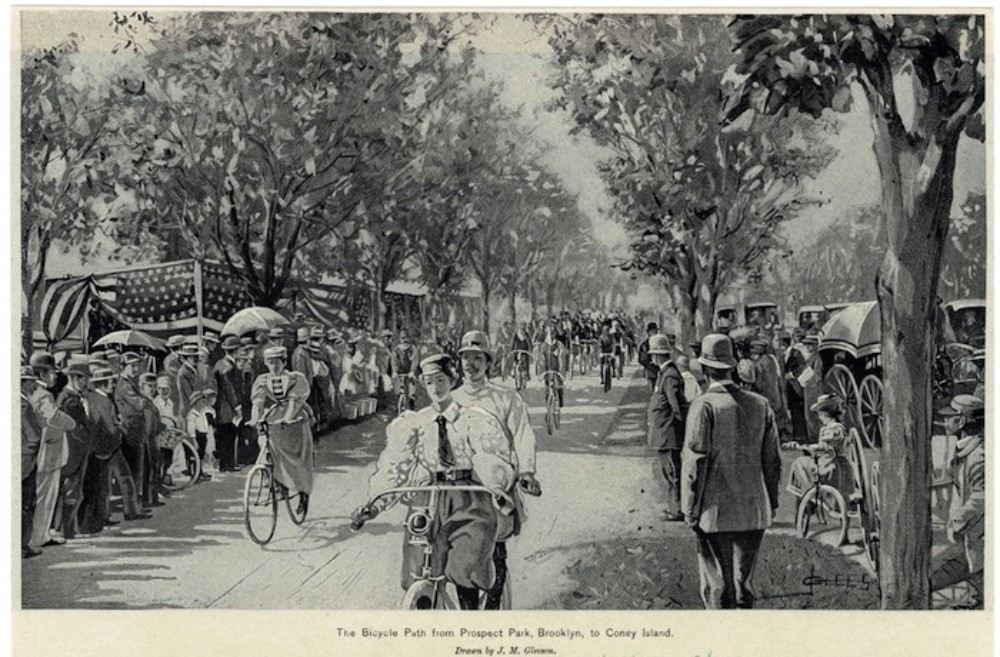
292	451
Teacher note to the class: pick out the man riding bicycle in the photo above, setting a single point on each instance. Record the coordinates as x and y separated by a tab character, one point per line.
403	363
447	444
506	406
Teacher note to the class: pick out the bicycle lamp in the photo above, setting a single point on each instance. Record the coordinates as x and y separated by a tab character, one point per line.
419	522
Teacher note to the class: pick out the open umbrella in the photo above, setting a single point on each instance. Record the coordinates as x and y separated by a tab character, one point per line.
131	338
255	318
857	329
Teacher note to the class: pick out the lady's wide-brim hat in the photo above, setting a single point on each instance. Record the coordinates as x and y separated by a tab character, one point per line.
829	403
717	352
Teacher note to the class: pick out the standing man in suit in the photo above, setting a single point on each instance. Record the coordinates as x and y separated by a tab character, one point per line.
131	408
643	356
31	440
72	402
665	417
228	403
730	472
53	451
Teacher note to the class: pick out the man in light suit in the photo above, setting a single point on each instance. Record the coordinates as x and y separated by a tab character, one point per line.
730	473
53	451
665	418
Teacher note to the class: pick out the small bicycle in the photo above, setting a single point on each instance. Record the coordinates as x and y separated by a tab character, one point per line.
407	399
182	465
430	590
521	360
552	410
262	493
825	504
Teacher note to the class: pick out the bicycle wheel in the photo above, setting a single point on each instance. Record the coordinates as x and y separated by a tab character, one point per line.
401	403
185	469
519	378
556	412
582	364
292	502
260	505
550	404
821	510
425	595
606	376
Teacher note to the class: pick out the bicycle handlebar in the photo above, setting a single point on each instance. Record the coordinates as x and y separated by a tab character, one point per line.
514	352
547	372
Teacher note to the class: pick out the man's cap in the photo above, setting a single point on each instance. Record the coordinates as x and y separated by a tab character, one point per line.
147	377
42	360
230	342
437	364
130	358
175	341
659	344
78	369
475	341
28	373
970	406
652	326
717	352
759	343
275	352
102	374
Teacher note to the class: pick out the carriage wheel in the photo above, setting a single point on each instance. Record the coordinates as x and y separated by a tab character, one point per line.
863	499
870	408
841	381
875	506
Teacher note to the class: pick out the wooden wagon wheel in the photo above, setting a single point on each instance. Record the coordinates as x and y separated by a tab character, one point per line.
874	487
863	498
841	381
870	410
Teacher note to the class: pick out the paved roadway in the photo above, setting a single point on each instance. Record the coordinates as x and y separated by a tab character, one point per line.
598	484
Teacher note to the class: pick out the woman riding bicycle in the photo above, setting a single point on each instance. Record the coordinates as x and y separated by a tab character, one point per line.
278	397
833	467
447	444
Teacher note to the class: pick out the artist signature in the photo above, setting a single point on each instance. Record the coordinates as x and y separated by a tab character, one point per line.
860	582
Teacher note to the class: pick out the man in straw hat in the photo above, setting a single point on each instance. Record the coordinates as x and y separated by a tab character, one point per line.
510	410
72	401
965	559
451	445
730	473
665	418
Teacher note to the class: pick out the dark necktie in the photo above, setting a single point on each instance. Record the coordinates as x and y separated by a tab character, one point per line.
445	456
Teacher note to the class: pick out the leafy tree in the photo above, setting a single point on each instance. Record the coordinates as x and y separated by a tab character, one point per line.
922	78
963	273
701	203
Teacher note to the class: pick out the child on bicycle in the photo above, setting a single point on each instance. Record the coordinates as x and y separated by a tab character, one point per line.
447	444
833	467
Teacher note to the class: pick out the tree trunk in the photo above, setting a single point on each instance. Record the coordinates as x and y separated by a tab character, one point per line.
485	284
512	305
703	309
916	198
684	311
550	298
533	298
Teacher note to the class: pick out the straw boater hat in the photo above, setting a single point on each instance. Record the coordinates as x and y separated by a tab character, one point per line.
209	336
475	341
275	352
189	349
317	333
175	341
28	373
130	358
277	333
302	334
78	369
970	406
717	352
147	377
102	374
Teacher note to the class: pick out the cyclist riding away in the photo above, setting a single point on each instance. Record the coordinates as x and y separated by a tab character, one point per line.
279	398
403	362
551	358
443	444
506	406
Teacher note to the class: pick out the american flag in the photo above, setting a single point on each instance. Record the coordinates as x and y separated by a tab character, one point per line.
223	293
158	294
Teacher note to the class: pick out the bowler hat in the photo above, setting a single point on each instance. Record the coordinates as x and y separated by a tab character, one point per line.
230	342
42	360
475	341
247	341
759	342
652	326
147	377
437	364
78	369
659	344
717	352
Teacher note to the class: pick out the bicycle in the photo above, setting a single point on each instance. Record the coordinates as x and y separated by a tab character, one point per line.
520	367
406	399
825	503
552	410
261	495
589	360
430	590
607	366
